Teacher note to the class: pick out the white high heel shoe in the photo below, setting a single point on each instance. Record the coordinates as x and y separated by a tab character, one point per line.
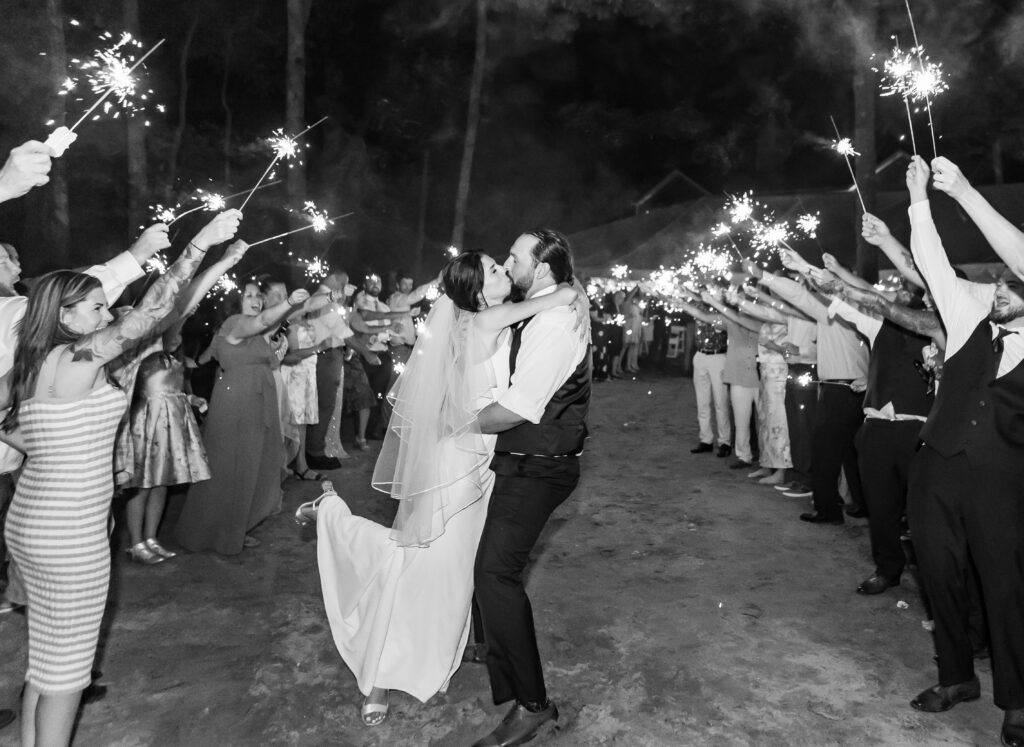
307	512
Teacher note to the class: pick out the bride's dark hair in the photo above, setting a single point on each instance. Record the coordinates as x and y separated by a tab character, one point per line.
463	279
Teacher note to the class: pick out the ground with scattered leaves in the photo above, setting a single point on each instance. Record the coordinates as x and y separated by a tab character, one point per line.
676	604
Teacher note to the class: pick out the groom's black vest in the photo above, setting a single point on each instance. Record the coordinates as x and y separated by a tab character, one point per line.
977	413
563	426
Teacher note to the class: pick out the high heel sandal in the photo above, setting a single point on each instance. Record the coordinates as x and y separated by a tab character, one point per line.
307	512
141	553
375	714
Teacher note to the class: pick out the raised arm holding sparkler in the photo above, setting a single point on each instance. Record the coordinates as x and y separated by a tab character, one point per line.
876	232
26	167
1005	238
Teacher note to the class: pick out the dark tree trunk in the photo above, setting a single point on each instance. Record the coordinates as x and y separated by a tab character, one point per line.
997	159
138	181
179	130
228	114
864	96
472	124
57	215
421	228
295	106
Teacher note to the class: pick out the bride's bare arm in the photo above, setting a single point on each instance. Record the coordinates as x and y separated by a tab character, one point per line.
495	318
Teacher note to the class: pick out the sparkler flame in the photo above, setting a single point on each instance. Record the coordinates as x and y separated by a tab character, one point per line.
157	263
742	208
285	147
844	147
619	272
162	214
317	218
317	269
926	82
110	72
452	252
433	293
808	223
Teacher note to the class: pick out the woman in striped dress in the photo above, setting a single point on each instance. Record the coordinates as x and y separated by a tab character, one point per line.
64	414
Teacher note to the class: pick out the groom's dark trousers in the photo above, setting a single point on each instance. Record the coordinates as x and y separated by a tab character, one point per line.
526	490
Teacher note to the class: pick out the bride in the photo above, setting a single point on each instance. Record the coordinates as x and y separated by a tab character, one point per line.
398	600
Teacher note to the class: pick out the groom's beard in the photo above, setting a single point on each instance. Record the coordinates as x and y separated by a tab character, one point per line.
518	292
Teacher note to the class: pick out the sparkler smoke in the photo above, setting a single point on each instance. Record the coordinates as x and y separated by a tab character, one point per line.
844	147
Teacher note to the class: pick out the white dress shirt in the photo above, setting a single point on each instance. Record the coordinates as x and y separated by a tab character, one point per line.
550	350
842	354
961	304
377	342
115	276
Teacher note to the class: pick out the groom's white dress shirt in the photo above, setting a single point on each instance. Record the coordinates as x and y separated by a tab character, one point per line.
550	351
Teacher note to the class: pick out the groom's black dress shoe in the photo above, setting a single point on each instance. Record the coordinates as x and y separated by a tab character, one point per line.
519	726
938	699
876	584
1012	734
702	448
815	518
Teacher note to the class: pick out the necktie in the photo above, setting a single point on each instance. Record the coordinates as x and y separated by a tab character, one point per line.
997	341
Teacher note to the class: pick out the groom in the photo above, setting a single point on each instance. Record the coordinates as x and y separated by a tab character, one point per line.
541	425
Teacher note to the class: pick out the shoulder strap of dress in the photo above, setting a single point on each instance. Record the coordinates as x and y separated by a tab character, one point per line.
48	370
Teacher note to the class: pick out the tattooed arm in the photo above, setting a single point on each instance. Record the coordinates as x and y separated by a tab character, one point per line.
105	344
919	321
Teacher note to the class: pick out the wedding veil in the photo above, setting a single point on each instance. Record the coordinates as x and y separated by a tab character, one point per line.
433	452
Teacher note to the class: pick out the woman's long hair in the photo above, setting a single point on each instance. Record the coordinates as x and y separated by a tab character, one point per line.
41	330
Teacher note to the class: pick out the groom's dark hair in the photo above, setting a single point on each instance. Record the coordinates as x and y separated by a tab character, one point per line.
553	248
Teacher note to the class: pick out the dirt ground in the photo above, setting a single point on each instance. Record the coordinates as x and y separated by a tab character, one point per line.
676	604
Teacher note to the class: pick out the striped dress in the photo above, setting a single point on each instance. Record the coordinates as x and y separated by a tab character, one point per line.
57	531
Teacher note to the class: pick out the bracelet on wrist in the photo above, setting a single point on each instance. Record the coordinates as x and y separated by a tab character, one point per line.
197	247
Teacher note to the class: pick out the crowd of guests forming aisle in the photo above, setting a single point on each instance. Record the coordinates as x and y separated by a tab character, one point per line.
908	403
97	396
903	406
87	384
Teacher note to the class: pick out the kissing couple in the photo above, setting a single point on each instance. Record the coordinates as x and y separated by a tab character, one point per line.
483	445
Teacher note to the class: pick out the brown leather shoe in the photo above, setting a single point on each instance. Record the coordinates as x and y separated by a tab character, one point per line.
938	699
519	726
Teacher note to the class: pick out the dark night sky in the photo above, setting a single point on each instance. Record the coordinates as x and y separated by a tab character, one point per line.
586	105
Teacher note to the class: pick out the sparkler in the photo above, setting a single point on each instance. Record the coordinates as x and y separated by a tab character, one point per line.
317	269
285	148
897	72
157	263
317	225
620	272
433	293
844	147
742	208
808	223
452	252
109	72
929	81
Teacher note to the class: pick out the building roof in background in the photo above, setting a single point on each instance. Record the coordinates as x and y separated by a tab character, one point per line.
664	236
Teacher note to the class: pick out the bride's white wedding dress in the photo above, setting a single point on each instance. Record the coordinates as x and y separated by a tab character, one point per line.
398	598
